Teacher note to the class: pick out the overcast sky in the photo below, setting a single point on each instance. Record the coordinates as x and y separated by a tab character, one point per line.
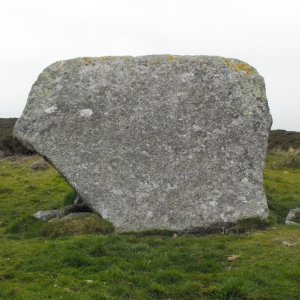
264	33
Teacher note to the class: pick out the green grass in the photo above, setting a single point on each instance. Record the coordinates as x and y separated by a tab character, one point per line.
24	192
149	265
282	184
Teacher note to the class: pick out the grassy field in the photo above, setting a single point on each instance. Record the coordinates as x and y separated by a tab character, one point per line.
259	265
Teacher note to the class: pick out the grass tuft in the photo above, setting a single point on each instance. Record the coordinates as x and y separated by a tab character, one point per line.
251	224
26	226
234	288
72	226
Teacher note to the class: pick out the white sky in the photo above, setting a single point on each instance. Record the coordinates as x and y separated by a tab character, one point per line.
264	33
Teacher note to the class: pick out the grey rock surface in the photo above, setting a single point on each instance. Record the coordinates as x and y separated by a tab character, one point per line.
293	217
175	142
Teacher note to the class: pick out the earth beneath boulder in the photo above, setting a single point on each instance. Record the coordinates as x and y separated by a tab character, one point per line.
169	142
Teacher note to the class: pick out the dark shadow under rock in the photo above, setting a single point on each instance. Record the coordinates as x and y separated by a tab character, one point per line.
75	208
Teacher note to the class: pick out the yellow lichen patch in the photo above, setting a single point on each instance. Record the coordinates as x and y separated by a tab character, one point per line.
170	58
112	58
88	60
245	68
239	67
106	58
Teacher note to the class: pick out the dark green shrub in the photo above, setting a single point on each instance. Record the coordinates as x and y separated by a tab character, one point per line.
283	140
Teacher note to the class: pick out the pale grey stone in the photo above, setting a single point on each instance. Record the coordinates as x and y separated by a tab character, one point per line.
46	215
170	142
293	217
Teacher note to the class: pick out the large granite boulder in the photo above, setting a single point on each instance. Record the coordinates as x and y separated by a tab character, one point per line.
175	142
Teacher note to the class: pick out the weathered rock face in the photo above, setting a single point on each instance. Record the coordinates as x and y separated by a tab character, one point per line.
174	142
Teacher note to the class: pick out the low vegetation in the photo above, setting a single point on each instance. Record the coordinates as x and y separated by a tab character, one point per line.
38	261
284	140
70	226
8	145
282	178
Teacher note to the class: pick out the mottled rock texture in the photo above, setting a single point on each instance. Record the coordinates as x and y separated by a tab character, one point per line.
175	142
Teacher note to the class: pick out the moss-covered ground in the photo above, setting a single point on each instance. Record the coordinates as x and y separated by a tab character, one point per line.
264	264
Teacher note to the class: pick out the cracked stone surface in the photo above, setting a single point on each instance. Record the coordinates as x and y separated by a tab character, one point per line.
170	142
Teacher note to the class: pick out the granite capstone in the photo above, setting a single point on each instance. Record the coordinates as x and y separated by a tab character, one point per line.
161	141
